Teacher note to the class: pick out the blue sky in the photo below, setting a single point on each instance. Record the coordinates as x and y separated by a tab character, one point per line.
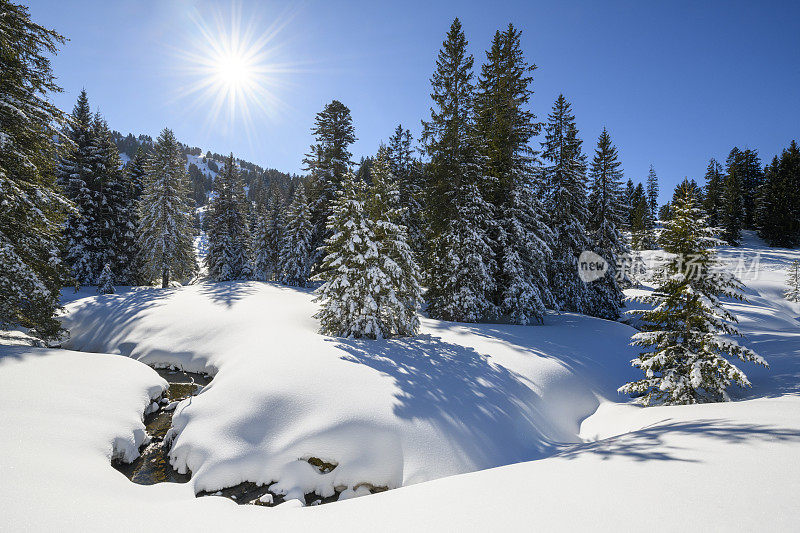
674	82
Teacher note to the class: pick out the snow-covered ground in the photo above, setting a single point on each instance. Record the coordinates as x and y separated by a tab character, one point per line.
445	408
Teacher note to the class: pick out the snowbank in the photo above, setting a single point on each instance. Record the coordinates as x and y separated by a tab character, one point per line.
455	399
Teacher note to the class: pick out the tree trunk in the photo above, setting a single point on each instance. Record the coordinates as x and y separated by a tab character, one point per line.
165	278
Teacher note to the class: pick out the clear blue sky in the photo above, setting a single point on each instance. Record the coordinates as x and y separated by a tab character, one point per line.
674	82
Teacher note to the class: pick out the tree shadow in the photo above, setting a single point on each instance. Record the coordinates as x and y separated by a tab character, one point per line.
487	412
649	443
226	293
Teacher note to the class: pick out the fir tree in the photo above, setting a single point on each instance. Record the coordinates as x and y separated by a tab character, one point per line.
714	193
732	209
77	179
327	163
792	292
32	209
606	216
566	203
165	228
652	193
642	230
228	235
296	252
778	209
267	239
135	171
105	282
688	328
459	270
628	202
409	176
520	239
399	298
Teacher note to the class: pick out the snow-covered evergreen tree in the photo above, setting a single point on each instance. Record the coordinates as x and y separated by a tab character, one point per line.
520	239
296	252
564	189
652	193
606	214
399	301
105	282
267	239
32	208
732	208
793	282
135	171
460	265
687	329
409	177
77	178
165	227
713	193
228	255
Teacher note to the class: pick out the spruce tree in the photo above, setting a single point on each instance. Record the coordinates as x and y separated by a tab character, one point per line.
520	239
296	252
77	178
778	209
606	215
400	297
135	171
32	209
688	330
628	202
652	193
165	219
642	230
714	193
228	255
732	208
792	292
327	162
105	282
566	203
409	177
459	265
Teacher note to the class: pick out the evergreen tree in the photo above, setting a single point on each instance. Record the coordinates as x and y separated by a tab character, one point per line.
76	178
606	216
642	230
399	298
105	282
792	292
628	202
165	228
267	239
566	203
327	163
32	209
652	193
409	176
135	171
296	252
459	270
687	327
732	209
778	210
520	238
714	193
228	235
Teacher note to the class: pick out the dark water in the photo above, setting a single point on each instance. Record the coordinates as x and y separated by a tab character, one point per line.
152	466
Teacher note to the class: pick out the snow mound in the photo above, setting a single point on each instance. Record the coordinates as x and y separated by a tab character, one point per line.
389	413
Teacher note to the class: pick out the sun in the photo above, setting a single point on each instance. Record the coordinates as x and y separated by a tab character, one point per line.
233	71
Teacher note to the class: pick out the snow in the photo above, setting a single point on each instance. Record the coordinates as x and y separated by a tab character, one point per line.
430	415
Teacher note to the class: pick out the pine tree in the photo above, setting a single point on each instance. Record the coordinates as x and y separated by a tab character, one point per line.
76	177
32	209
606	216
714	193
520	239
135	170
732	208
688	328
327	162
105	282
778	209
652	193
628	202
165	229
566	204
400	297
642	230
296	252
228	255
409	176
792	292
459	269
